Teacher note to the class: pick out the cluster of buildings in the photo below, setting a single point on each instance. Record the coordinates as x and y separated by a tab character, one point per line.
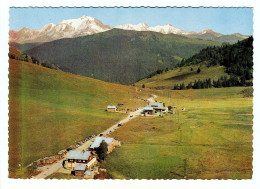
152	108
155	107
49	160
83	163
60	155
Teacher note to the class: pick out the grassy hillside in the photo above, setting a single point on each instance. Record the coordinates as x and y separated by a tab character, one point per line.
211	139
50	110
118	56
181	75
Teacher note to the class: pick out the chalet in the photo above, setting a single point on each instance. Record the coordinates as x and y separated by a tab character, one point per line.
75	157
157	106
111	143
148	111
111	108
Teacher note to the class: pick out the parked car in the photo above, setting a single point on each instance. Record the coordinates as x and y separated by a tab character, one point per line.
119	124
101	134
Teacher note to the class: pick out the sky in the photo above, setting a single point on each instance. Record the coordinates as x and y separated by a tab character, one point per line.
222	20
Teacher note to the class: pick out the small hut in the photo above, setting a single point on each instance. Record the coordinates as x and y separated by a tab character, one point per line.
80	170
111	108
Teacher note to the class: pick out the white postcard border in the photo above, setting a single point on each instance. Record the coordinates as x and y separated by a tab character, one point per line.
7	183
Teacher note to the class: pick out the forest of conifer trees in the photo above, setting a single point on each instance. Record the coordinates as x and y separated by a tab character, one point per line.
237	59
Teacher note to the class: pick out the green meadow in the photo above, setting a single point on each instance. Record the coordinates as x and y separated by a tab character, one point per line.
50	110
209	136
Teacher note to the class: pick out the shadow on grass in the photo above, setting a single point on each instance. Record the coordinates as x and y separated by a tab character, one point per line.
182	76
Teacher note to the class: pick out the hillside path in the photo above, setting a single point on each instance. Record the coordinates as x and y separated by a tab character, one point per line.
50	169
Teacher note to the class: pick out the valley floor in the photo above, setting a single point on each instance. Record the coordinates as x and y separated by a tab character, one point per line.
208	136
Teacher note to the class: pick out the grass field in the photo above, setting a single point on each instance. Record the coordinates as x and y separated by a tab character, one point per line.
211	139
181	75
50	110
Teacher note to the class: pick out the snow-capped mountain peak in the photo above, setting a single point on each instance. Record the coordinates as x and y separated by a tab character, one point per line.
48	27
75	23
167	29
138	27
209	31
205	31
84	25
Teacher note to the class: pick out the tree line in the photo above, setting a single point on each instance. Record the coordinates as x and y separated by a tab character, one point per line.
25	58
208	83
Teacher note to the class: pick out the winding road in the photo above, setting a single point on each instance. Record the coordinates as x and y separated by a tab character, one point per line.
50	169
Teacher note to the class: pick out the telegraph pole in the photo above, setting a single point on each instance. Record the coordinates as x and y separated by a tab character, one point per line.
184	168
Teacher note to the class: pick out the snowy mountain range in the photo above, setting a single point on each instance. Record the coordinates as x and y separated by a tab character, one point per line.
166	29
87	26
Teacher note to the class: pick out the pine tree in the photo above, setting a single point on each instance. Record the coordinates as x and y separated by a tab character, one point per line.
102	151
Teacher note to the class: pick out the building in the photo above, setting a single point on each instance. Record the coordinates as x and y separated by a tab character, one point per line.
157	106
80	170
50	160
61	154
111	108
75	157
88	175
148	111
111	143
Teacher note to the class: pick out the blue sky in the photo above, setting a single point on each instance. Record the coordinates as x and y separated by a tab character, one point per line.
222	20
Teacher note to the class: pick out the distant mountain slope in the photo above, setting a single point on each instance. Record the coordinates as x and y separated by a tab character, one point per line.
24	46
119	56
227	65
213	36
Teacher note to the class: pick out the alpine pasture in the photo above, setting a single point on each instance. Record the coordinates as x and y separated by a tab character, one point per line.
208	136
